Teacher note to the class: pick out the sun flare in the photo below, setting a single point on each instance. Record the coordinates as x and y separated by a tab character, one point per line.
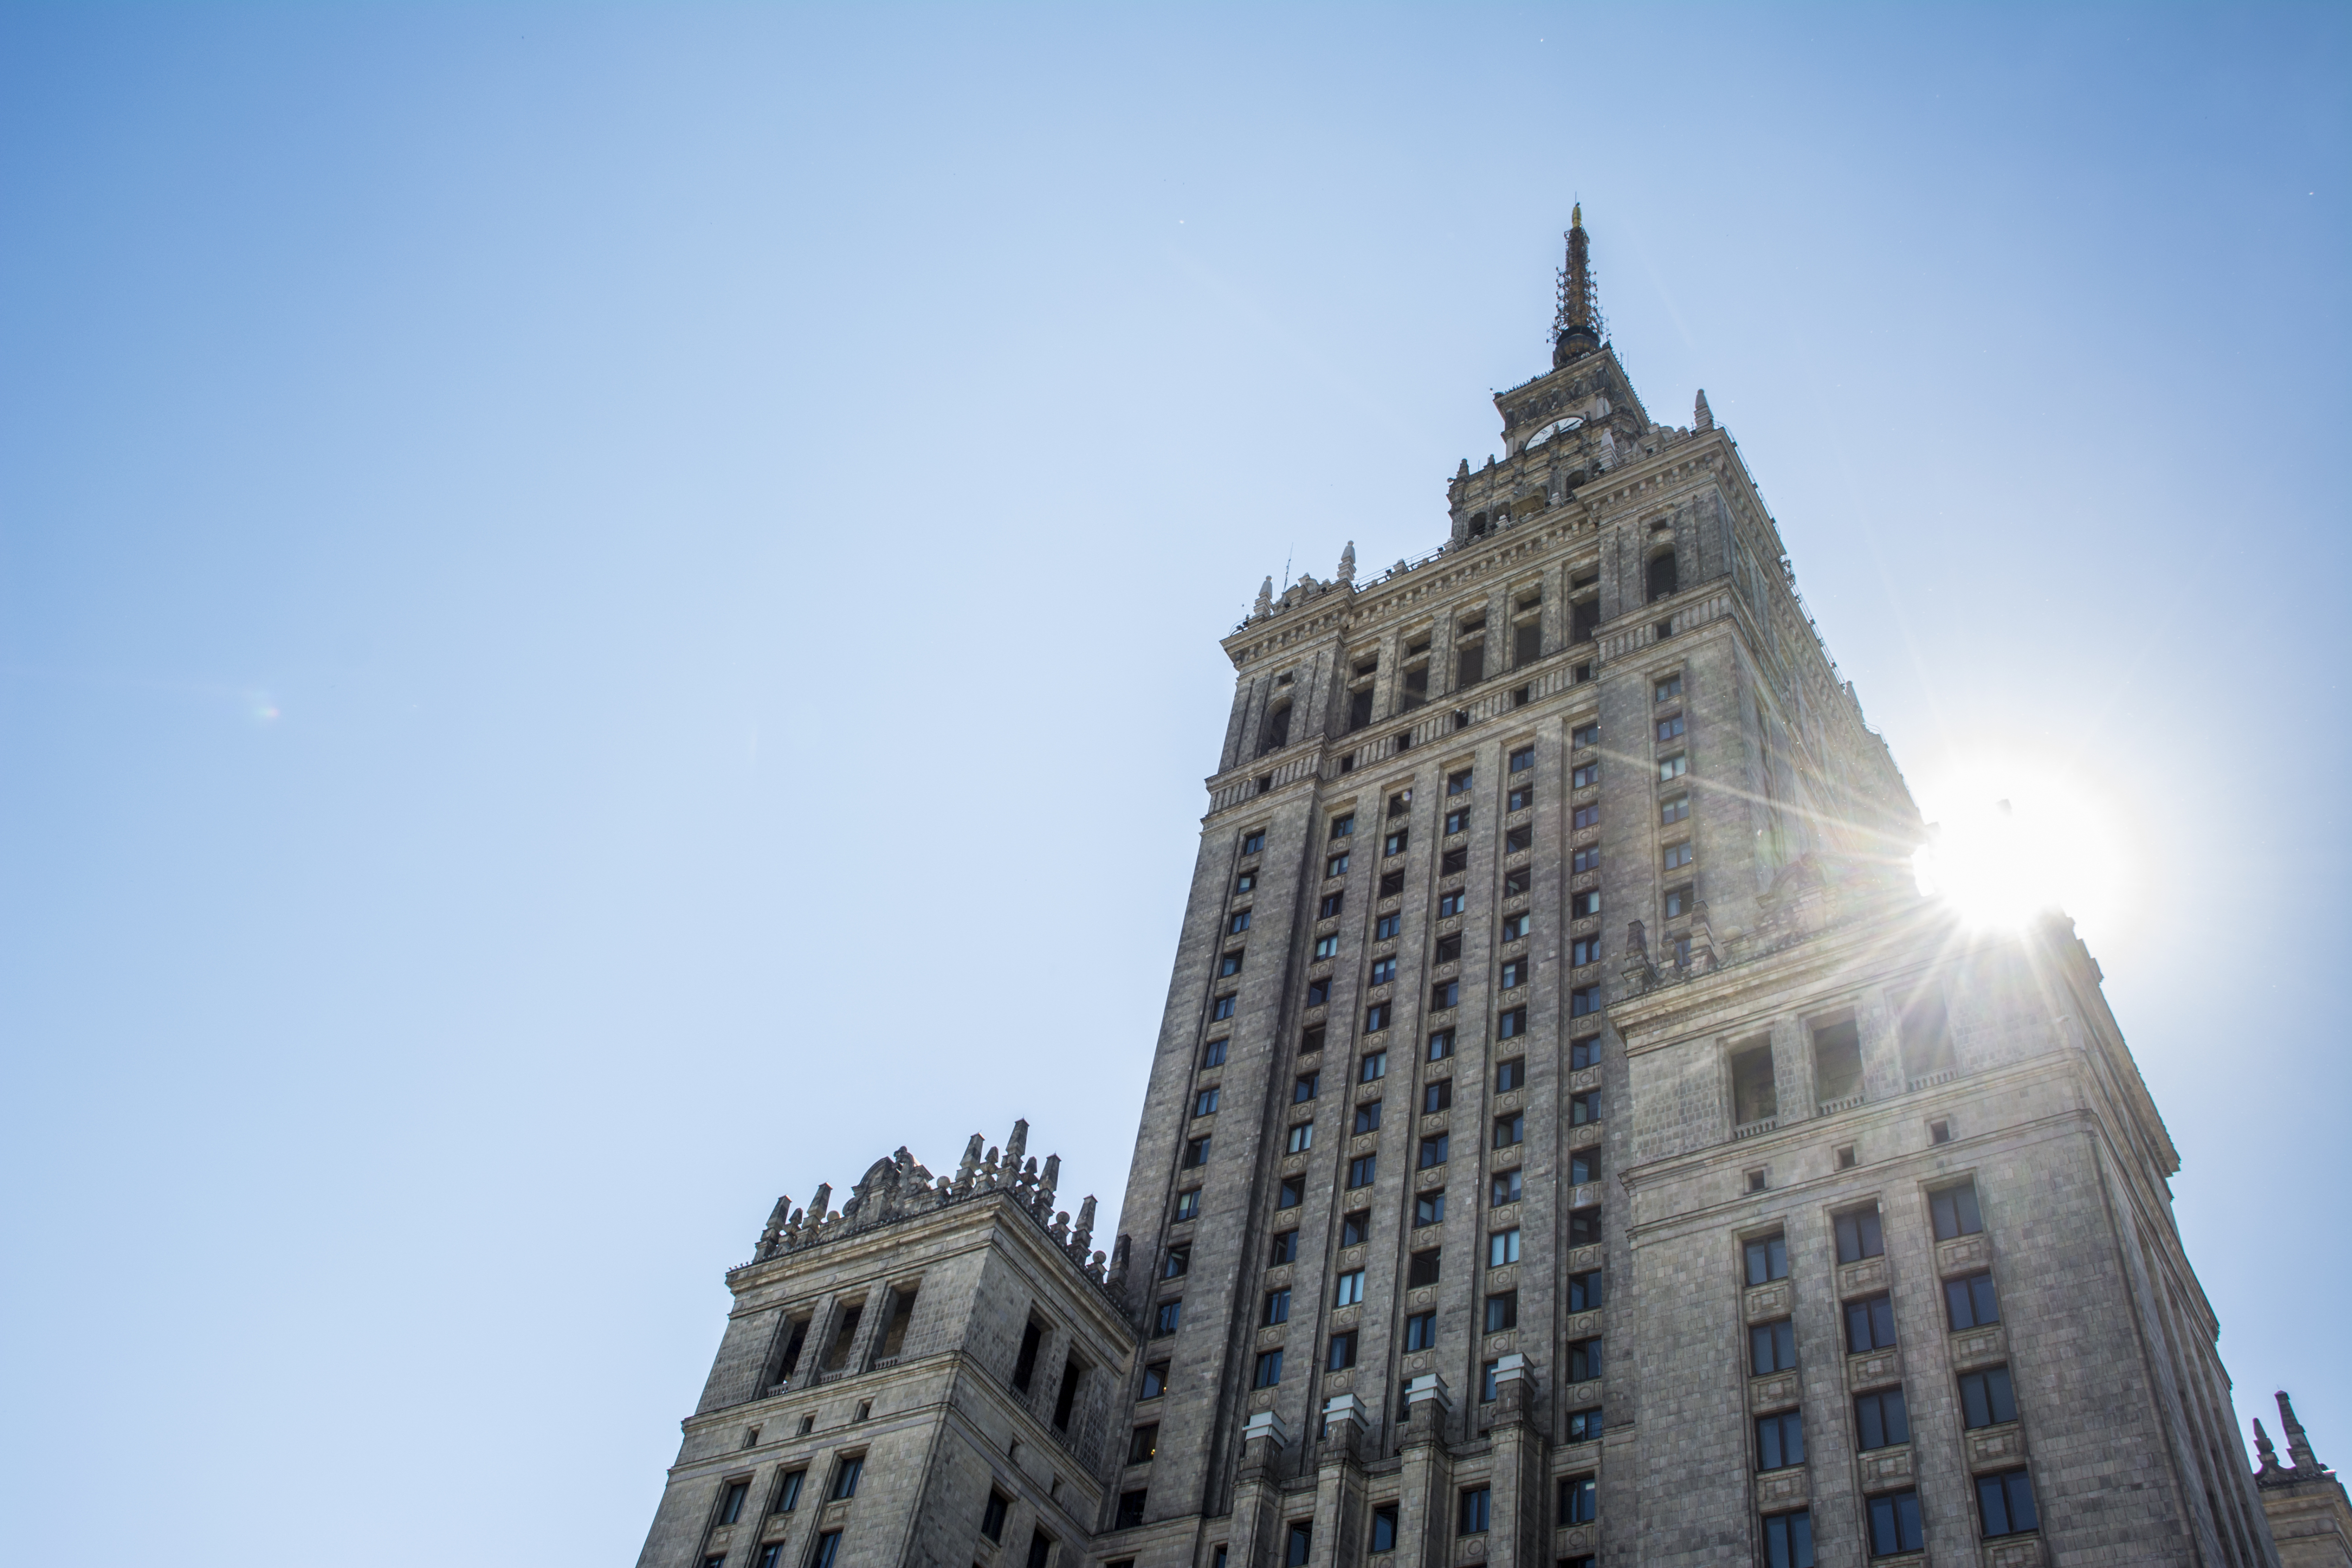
2015	849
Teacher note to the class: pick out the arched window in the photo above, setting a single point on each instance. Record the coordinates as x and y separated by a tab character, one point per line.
1661	580
1277	730
1477	524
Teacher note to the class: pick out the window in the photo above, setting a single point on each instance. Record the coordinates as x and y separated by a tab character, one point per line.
1285	1248
1516	972
1301	1139
1221	1009
1879	1419
1142	1442
1869	1324
1939	1130
1213	1054
1432	1150
1268	1370
1584	950
1585	816
1502	1312
1188	1205
1340	1353
1343	827
1511	1025
1363	1169
1400	802
1971	1301
1584	1425
1584	905
1239	924
826	1551
1506	1187
793	1340
1164	1316
844	1477
1349	1289
1383	970
1471	1517
1986	1398
1301	1545
1291	1193
1244	883
1680	902
1523	759
1155	1380
1450	903
1205	1102
1277	1308
1767	1258
1253	842
1925	1034
1526	642
1516	927
1394	843
1386	927
992	1518
1336	866
1503	1248
1457	822
1440	1045
1041	1549
1586	735
1384	1527
1858	1236
1673	767
730	1506
1511	1131
1367	1116
1583	1000
2006	1502
1583	618
1436	1097
1458	783
1421	1332
1584	1292
788	1491
1788	1540
1771	1347
1658	578
1674	810
1179	1262
1453	862
1583	1106
1670	727
1518	881
1779	1441
1584	777
1584	1052
1837	1062
1421	1268
836	1355
1679	856
1955	1211
1510	1075
1470	665
1373	1068
1130	1510
1521	797
1330	906
1577	1499
1449	948
1584	1226
1196	1152
1584	1360
1428	1208
1520	838
1310	1040
1376	1018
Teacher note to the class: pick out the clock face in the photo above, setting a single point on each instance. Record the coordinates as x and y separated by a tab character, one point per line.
1557	427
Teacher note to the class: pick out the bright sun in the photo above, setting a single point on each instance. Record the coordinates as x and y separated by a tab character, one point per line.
2011	848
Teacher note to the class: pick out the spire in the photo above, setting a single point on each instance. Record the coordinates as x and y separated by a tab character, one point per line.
1576	327
2298	1444
1702	417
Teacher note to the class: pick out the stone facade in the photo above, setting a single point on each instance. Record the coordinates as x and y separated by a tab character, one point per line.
1571	1139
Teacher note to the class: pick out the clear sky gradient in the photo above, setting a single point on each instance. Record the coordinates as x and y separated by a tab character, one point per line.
607	613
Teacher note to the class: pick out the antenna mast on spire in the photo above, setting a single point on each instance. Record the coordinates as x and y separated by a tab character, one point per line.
1579	315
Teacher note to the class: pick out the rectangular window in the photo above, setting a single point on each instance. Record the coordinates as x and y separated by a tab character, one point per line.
1384	1528
1578	1499
1767	1258
1670	727
1300	1545
1585	816
1155	1380
1428	1208
1188	1205
1376	1018
1583	1359
1584	1226
1432	1150
1450	903
1679	856
1583	1000
788	1492
1472	1517
1310	1040
1584	1292
1436	1097
1457	822
2007	1503
1837	1063
1680	902
1502	1312
1869	1324
1213	1054
826	1551
1400	802
845	1476
1516	927
1503	1248
1518	838
1277	1308
1367	1116
1164	1316
1511	1025
1130	1510
1510	1074
1391	884
1449	948
1518	881
1285	1248
1301	1139
1584	950
1586	735
1986	1398
1673	767
1453	862
1394	843
1440	1045
1421	1332
730	1506
1349	1289
1041	1549
1788	1540
1330	906
1363	1169
1179	1262
1387	926
1858	1236
1516	972
1341	1354
1458	783
1505	1188
1336	866
1673	810
1246	882
1585	777
1771	1347
1205	1102
1955	1211
1523	759
1584	904
1291	1193
1142	1442
1511	1131
1343	827
1383	970
1526	642
1268	1370
1879	1420
1253	842
1421	1268
1221	1009
1669	689
1779	1441
1971	1301
1584	1052
1373	1068
1239	924
1521	797
1895	1524
1583	1106
1584	1425
1196	1152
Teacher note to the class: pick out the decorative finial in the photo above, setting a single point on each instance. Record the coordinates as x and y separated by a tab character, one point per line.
2272	1470
1576	216
1702	417
1347	563
1265	606
2299	1443
1576	327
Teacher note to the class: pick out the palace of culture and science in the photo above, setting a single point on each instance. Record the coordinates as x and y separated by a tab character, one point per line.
1572	1141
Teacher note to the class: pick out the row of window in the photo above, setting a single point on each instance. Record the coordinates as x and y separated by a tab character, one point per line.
784	1497
2004	1507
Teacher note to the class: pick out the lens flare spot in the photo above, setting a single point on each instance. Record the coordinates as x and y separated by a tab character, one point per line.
2005	861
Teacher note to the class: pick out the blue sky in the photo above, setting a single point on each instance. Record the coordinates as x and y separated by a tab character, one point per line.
609	612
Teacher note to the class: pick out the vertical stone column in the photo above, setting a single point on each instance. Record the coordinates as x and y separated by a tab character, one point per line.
1340	1517
1255	1540
1426	1505
1519	1535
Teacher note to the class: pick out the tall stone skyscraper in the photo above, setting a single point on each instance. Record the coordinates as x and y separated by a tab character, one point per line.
1571	1139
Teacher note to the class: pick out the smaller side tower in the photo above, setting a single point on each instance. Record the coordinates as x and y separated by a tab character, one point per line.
933	1365
2304	1501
